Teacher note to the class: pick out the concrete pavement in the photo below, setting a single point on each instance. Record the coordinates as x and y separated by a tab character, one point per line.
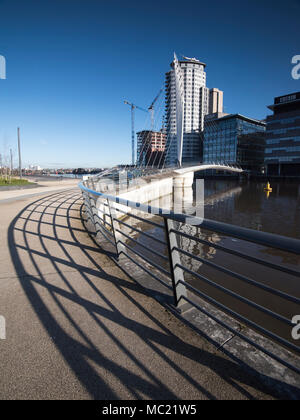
79	328
44	186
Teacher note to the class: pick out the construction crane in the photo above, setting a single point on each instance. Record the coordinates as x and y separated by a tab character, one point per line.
151	108
133	107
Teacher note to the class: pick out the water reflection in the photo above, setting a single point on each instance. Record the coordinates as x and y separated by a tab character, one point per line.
246	204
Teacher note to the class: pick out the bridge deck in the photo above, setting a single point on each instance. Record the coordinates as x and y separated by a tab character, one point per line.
78	327
206	167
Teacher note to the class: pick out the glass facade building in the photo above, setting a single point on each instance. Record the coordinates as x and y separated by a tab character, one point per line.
251	151
225	141
282	155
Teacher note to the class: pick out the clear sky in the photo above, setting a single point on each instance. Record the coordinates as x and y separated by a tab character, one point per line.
71	64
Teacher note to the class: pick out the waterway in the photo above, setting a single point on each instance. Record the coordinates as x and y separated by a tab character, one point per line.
246	204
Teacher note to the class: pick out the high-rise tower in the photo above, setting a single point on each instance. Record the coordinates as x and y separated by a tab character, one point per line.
187	100
215	101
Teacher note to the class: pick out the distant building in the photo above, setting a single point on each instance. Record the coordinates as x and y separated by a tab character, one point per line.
34	168
151	146
251	151
282	155
234	139
215	105
210	117
215	101
187	99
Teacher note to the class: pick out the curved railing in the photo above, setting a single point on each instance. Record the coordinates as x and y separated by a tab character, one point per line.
173	251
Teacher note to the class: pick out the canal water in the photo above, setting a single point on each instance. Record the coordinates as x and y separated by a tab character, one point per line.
246	204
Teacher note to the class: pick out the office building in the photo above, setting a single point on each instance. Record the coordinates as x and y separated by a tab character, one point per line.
251	151
215	107
151	146
215	101
282	156
234	139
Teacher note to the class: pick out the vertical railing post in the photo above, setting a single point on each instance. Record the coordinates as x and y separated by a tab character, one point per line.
87	204
91	210
115	225
94	210
179	289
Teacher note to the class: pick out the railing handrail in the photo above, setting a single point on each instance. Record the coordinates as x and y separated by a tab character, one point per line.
271	240
172	275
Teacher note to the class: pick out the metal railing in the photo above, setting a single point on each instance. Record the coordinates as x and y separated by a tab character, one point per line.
161	257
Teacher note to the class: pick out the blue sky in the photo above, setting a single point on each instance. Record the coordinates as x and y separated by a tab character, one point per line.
71	64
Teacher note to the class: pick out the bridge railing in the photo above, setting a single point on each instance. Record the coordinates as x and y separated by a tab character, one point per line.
167	248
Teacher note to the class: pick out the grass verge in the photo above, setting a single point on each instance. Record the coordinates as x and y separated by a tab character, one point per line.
13	182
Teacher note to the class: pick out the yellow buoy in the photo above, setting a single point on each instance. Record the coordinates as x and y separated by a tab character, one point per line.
268	188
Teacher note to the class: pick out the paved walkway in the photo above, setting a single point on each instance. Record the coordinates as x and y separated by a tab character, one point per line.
44	185
79	328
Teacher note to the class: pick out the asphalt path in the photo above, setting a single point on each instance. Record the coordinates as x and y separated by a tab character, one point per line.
78	328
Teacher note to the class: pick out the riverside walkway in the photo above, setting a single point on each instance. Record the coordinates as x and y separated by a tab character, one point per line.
77	327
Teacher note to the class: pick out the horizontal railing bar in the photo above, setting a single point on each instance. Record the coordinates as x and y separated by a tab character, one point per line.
92	217
237	296
91	214
239	276
102	220
96	215
282	243
250	235
108	239
141	232
238	254
100	230
242	336
91	199
158	267
103	227
150	222
147	271
93	206
89	218
103	212
143	246
241	318
90	208
107	214
267	239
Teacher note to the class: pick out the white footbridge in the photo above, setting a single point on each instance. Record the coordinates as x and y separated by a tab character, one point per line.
185	177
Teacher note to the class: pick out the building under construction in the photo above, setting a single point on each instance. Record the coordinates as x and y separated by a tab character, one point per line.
151	148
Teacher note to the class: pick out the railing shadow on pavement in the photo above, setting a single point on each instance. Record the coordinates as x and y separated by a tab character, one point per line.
255	301
48	236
